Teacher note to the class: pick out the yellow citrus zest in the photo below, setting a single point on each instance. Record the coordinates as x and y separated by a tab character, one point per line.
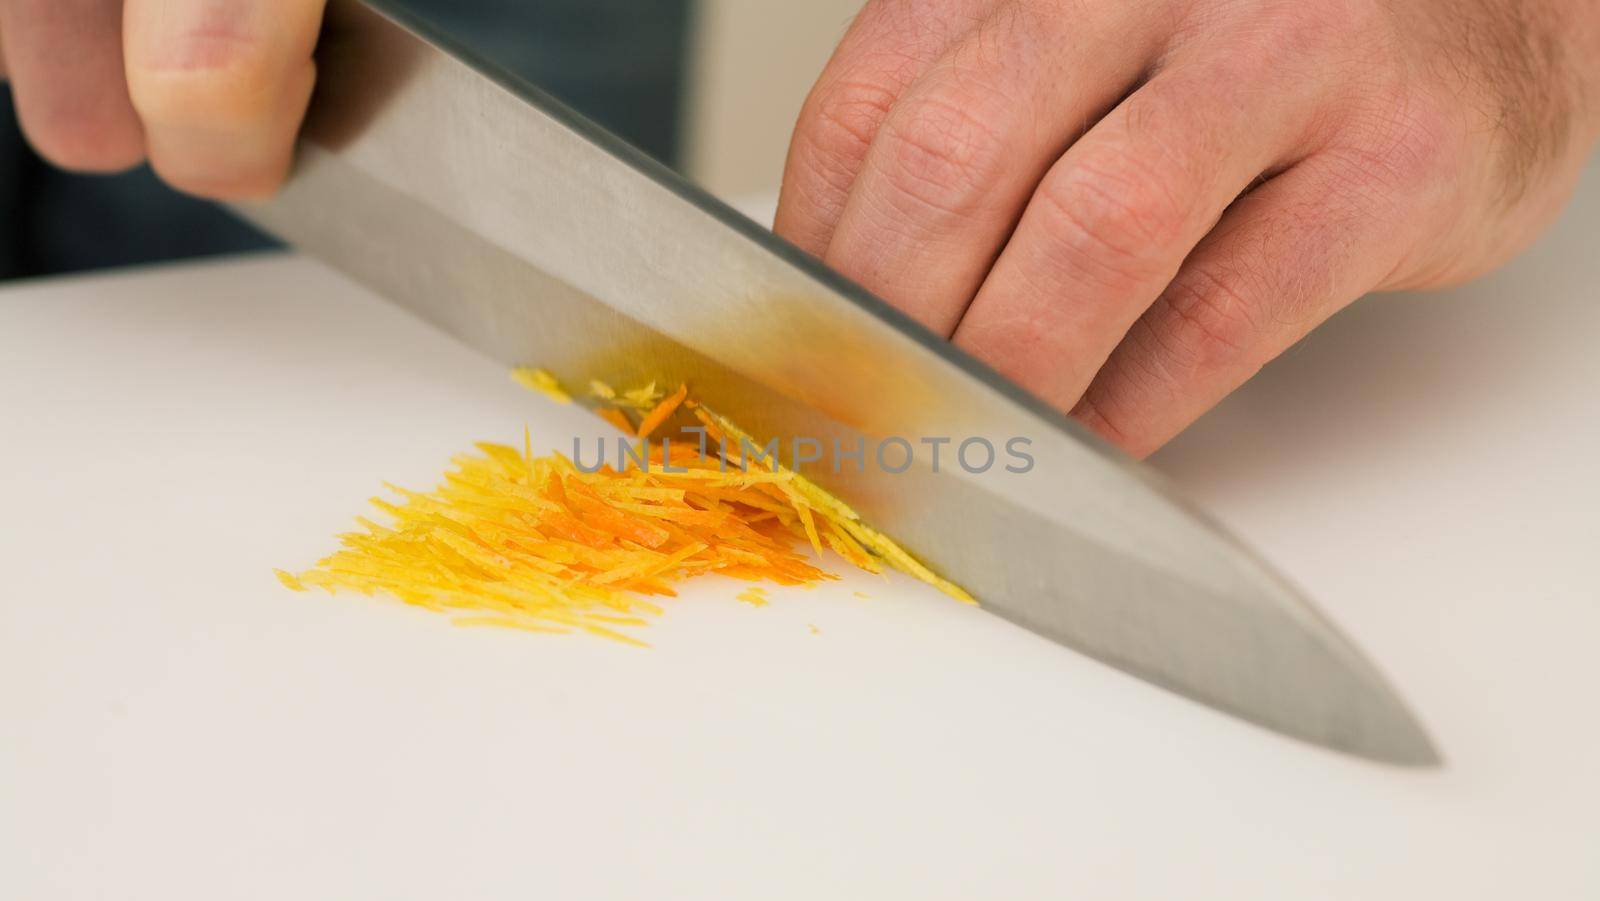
542	382
512	540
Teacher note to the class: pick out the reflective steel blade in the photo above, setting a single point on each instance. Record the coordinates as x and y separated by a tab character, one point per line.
473	199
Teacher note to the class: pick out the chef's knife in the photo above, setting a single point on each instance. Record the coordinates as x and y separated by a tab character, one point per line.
470	197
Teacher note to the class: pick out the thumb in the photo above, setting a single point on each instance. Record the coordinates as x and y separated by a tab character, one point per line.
221	87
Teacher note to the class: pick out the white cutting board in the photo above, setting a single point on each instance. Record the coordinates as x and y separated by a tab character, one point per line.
175	725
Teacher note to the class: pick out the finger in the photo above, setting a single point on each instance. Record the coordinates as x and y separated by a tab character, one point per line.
221	86
65	62
888	46
954	163
1112	221
1286	256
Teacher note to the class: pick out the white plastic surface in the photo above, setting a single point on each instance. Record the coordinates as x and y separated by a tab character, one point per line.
175	725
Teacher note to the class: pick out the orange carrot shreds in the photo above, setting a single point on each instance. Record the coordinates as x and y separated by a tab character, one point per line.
537	544
659	414
533	543
602	516
541	381
640	398
562	526
840	518
617	418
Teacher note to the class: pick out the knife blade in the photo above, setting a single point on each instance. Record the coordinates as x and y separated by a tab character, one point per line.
470	197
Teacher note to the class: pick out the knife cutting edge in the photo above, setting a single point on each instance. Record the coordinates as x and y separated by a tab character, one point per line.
468	196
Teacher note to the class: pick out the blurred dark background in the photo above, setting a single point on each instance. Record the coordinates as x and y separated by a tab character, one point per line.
621	62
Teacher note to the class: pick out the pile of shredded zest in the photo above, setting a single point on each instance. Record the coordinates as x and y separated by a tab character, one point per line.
535	543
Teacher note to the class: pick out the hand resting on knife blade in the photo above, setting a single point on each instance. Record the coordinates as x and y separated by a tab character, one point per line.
1127	206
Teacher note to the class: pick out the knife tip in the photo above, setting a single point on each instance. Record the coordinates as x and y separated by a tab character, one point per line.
1403	741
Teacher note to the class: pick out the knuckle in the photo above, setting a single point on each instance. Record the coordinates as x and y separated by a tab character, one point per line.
842	118
941	155
1209	322
1400	142
817	180
1116	228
